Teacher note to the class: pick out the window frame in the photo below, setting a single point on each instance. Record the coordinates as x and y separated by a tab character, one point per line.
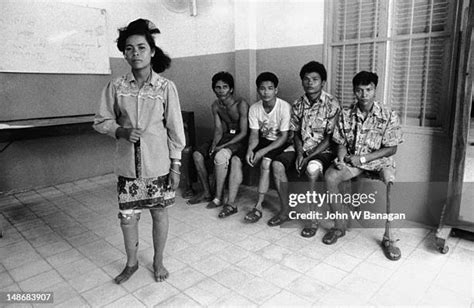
445	108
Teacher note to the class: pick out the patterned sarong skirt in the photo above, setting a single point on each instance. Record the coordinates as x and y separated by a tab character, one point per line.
144	193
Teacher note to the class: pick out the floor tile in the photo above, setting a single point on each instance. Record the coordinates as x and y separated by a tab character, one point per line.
211	265
54	248
299	263
155	293
89	280
254	265
6	280
179	300
280	275
308	288
29	270
258	290
232	254
232	276
41	282
358	286
440	296
77	301
252	243
65	257
184	278
327	274
74	269
64	239
125	302
233	300
62	292
342	261
286	299
207	292
103	294
274	253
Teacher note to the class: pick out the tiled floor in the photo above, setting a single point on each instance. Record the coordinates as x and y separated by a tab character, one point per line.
66	239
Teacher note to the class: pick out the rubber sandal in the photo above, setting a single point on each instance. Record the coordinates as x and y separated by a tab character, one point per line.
227	211
332	235
126	274
199	199
277	220
309	232
212	205
391	251
253	216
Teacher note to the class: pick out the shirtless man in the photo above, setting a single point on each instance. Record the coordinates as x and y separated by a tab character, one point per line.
230	131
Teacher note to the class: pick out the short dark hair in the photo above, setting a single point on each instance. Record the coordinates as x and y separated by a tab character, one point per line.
267	76
225	77
314	67
160	61
365	78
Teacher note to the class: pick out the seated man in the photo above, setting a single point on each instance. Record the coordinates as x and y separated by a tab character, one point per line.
230	131
367	135
269	122
313	117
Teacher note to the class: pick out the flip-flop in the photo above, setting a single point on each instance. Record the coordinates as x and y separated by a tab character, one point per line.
253	216
199	199
391	251
277	220
227	211
332	235
309	232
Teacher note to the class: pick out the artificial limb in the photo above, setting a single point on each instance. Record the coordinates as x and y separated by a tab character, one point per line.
129	226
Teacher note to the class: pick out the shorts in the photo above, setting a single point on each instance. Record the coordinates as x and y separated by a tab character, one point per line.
386	174
288	159
262	143
236	148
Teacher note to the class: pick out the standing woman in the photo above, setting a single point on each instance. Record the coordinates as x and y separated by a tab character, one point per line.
141	111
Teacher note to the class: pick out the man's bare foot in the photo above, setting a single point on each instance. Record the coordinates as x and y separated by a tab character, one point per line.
160	272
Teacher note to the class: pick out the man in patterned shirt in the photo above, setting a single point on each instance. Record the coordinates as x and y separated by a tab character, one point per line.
313	117
367	135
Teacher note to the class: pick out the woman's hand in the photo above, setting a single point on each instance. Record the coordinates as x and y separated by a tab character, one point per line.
129	134
173	179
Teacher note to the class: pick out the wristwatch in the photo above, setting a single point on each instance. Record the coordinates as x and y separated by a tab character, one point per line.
362	160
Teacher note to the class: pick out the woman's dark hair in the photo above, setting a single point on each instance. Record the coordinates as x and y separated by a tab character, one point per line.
267	76
365	78
314	67
160	61
225	77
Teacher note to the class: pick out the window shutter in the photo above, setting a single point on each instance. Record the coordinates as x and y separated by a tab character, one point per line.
356	43
410	50
419	54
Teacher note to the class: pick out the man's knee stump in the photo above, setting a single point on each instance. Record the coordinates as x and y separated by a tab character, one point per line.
266	163
314	169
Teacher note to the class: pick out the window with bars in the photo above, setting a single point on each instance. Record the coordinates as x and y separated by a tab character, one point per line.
408	43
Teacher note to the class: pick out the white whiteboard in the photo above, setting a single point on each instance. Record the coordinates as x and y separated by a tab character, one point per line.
53	38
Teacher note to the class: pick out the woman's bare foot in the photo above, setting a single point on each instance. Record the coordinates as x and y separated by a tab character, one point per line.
160	272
